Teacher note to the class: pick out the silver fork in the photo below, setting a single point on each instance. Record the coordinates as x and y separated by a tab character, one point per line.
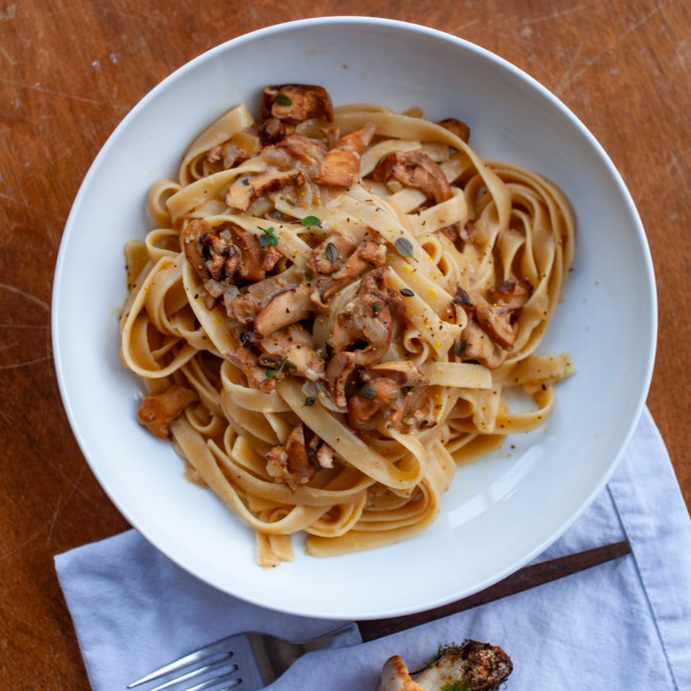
252	661
246	661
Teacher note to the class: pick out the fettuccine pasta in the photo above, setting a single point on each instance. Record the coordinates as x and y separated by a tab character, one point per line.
331	310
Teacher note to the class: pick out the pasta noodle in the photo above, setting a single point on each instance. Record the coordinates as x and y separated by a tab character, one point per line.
332	309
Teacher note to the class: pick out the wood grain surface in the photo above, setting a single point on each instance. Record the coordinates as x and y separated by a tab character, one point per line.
70	71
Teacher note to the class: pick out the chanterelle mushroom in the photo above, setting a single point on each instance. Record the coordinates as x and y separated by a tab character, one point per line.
458	127
226	252
295	463
341	165
415	169
362	333
242	146
388	396
295	103
290	464
472	666
285	308
293	345
492	328
157	411
249	188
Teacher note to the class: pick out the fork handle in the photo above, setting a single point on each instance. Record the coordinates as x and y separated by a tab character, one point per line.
340	638
523	579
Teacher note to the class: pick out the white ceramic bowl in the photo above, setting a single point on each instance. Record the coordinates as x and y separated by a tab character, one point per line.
502	511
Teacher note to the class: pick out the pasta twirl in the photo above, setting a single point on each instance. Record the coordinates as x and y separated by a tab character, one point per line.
331	310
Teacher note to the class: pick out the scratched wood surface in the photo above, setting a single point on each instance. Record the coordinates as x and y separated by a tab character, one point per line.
69	71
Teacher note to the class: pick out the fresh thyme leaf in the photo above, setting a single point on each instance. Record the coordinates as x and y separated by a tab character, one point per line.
404	247
310	401
284	364
331	252
269	237
368	392
460	346
407	292
270	373
282	100
376	307
311	221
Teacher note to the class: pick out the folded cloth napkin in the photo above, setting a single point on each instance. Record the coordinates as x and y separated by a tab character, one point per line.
623	625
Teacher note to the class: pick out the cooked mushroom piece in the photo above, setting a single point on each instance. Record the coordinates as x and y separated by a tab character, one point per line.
325	456
404	372
256	260
330	254
225	253
339	371
157	411
247	361
367	254
480	348
458	127
511	293
211	257
292	344
295	103
341	165
361	334
492	327
273	130
339	259
243	309
248	188
235	150
414	169
295	151
472	666
387	388
290	464
284	308
496	321
366	321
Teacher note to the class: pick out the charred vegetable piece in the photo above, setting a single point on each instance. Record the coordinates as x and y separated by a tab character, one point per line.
472	666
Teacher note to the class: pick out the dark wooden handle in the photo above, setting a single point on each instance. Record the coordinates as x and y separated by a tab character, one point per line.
524	579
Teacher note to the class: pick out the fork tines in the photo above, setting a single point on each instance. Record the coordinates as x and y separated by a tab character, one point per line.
213	656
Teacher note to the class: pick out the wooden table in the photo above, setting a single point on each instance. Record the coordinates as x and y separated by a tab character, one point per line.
70	71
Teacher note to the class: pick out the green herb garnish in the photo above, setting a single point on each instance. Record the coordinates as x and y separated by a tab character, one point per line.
310	401
407	292
283	100
459	347
311	221
331	252
288	366
269	237
368	392
404	247
284	364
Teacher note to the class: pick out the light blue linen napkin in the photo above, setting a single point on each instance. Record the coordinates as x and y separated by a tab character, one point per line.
623	625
